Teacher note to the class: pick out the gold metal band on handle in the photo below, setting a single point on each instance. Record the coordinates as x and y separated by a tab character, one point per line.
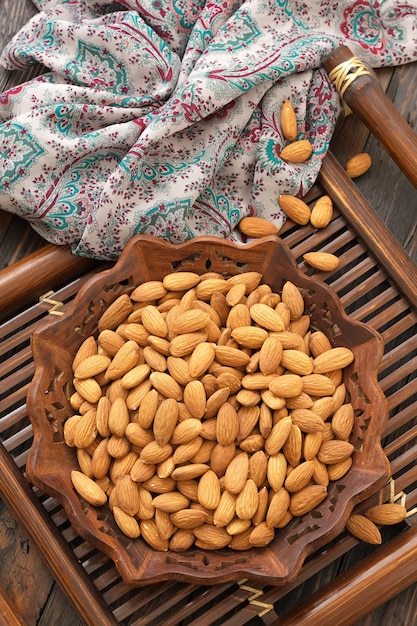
343	76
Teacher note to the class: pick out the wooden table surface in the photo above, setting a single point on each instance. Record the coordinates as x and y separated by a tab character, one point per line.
24	578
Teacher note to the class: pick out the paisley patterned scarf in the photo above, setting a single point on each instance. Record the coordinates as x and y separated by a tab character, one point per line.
162	116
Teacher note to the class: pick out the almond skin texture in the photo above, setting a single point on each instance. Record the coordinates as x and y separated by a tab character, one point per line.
358	164
322	261
297	151
333	359
307	499
295	208
386	514
116	313
288	121
256	227
88	489
364	529
322	212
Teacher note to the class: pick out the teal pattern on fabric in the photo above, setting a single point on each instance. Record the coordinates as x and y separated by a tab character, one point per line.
162	117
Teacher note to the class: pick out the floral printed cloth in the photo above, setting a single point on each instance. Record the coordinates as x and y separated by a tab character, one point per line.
162	116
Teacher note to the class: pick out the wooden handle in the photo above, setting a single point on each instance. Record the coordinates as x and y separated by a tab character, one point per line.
353	595
366	98
23	282
71	576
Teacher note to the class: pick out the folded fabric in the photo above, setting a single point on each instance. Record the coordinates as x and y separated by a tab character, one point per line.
162	116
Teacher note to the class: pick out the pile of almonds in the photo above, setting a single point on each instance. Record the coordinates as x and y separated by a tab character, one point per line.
208	412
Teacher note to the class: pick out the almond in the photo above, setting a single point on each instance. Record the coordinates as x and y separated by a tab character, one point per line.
270	355
261	535
292	297
297	151
338	470
250	279
306	499
181	345
188	518
236	294
334	359
226	509
88	489
181	540
116	313
119	417
170	502
299	477
278	507
293	447
135	376
148	291
136	332
211	537
297	362
186	431
201	358
295	208
317	385
318	343
124	360
150	534
288	121
190	321
323	261
154	453
257	227
208	286
127	494
334	451
311	444
249	336
247	501
127	523
387	514
322	212
141	472
84	430
237	473
363	528
194	398
258	463
276	470
164	525
165	421
180	281
209	490
232	357
308	421
358	164
87	348
343	420
266	317
166	385
263	502
278	436
137	394
238	316
287	386
154	321
88	388
91	366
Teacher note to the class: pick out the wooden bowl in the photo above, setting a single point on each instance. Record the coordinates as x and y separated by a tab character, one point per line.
50	460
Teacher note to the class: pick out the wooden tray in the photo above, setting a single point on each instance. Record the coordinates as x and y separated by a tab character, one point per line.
378	285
